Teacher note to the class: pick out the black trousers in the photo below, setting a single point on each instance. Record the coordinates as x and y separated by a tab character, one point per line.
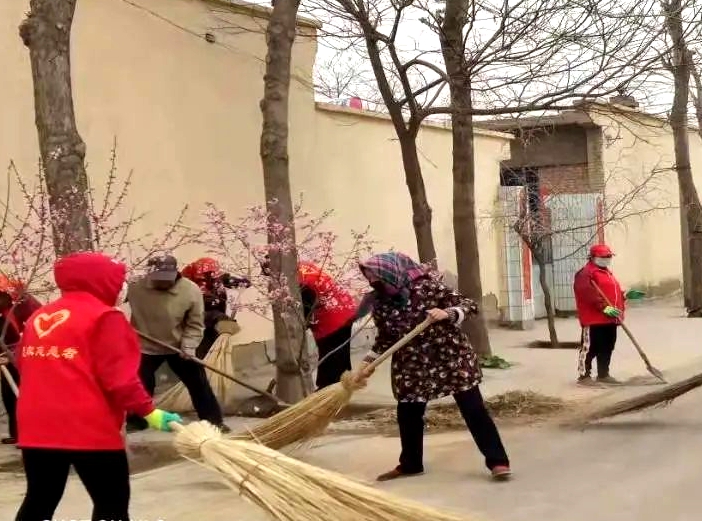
9	400
330	370
193	377
597	342
208	339
410	418
105	475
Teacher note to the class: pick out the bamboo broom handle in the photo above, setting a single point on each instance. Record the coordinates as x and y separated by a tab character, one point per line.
625	328
10	380
176	427
399	344
215	370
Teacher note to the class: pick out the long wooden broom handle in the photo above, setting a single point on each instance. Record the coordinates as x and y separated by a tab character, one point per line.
215	370
621	323
10	380
399	344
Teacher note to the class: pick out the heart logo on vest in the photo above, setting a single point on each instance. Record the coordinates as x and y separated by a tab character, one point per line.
45	323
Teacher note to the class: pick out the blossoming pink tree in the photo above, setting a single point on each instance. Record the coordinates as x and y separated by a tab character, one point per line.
242	244
27	252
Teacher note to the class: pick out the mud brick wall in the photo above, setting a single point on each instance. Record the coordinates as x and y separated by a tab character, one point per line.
567	179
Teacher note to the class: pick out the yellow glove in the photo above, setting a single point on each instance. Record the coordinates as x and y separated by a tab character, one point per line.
159	419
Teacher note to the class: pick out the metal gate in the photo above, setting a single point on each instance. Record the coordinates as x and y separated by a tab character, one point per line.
574	228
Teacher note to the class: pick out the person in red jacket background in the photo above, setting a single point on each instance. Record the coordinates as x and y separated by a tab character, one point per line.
78	361
213	283
16	306
599	317
330	312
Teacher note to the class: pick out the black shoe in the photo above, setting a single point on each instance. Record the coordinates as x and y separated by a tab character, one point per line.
10	440
585	380
224	428
608	380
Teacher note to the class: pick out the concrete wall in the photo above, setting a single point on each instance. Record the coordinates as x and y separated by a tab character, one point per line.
187	119
641	184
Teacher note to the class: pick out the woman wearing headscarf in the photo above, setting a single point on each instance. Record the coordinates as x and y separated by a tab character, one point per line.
437	363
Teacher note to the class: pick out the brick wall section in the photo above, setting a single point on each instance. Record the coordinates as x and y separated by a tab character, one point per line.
595	145
567	179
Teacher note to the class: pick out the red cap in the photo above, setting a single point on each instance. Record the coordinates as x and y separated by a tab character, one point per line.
601	250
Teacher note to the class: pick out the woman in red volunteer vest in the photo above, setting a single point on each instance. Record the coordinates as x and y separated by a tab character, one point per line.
78	360
599	317
330	312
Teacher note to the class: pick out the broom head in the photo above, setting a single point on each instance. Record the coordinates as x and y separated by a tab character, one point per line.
308	418
632	399
290	490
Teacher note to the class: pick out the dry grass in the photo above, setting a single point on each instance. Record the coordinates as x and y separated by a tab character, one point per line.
520	406
290	490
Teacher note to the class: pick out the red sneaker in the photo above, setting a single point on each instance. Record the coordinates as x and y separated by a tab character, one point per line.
501	473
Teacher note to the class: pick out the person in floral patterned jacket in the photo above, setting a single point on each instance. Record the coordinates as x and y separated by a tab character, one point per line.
437	363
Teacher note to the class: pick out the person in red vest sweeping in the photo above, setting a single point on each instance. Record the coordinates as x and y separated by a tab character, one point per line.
78	361
330	312
599	316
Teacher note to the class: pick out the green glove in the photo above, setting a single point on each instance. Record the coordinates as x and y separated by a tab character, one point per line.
159	419
634	294
611	312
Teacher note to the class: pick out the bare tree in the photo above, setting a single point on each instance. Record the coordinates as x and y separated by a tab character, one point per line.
405	100
697	95
342	76
47	33
680	64
538	229
465	232
293	375
500	58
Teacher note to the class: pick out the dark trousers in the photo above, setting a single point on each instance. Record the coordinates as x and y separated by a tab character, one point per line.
9	400
597	342
105	475
410	418
330	370
194	379
208	339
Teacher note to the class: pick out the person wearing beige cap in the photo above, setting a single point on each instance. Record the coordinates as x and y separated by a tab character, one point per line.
170	308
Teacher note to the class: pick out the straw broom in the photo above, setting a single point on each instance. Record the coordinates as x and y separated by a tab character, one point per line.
627	400
177	398
311	416
290	490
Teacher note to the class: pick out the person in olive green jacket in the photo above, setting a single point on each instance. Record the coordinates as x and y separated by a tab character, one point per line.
170	308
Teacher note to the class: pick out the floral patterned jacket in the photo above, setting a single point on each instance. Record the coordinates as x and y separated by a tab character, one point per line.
439	361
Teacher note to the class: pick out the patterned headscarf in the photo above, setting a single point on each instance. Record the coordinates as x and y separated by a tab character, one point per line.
394	269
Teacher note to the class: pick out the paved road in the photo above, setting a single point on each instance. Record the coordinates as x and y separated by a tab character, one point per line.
642	468
645	467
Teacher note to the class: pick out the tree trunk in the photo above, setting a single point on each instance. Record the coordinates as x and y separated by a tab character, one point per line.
292	359
697	99
681	60
421	211
464	225
47	33
548	303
